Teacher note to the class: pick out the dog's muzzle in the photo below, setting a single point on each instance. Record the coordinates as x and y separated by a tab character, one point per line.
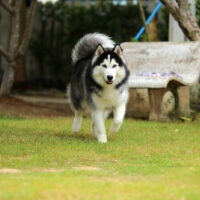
109	79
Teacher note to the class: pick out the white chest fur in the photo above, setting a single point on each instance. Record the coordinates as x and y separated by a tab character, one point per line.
109	98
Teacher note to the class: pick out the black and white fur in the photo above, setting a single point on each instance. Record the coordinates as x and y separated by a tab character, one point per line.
99	83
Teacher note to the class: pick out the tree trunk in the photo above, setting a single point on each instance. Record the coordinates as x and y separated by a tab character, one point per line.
18	41
183	15
143	18
153	30
8	78
189	25
20	70
10	65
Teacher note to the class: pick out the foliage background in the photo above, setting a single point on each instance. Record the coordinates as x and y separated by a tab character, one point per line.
198	11
62	25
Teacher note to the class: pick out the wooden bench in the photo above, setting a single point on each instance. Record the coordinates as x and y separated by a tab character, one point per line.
163	66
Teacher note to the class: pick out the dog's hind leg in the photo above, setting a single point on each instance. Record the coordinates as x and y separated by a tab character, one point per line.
106	114
99	126
94	131
119	113
77	122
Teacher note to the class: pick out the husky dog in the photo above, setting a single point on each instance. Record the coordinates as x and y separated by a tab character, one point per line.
98	83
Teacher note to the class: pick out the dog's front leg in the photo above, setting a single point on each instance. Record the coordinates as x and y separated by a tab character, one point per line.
77	122
118	113
100	130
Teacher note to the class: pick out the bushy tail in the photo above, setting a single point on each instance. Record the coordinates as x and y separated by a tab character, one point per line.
88	44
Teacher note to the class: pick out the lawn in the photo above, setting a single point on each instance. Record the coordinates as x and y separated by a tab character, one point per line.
42	159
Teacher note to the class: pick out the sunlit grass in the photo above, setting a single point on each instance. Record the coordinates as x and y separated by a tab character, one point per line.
145	160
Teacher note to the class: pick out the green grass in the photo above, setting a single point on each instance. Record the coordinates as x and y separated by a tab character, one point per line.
145	160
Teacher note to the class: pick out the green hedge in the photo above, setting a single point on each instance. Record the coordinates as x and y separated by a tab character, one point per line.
63	25
198	11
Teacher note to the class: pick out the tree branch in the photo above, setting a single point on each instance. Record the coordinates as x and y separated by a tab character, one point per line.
14	38
7	7
183	15
27	34
171	5
182	3
4	53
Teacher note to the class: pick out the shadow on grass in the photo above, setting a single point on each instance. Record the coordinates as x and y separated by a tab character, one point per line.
79	137
89	138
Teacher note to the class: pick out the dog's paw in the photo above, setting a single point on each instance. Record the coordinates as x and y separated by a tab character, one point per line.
114	128
75	131
102	139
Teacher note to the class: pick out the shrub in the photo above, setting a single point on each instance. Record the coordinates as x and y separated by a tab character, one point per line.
61	27
198	11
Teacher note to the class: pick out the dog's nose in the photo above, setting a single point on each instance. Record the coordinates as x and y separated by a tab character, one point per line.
110	78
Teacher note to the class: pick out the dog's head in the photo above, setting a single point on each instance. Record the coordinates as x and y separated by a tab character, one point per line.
108	66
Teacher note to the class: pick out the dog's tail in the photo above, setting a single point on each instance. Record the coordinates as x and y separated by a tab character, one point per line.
88	44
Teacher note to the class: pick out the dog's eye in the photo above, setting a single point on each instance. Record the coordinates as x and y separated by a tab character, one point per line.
114	66
104	66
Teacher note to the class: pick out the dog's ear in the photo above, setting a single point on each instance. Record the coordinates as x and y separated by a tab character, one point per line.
99	50
118	50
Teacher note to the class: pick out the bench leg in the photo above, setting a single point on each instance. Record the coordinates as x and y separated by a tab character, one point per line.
155	100
184	100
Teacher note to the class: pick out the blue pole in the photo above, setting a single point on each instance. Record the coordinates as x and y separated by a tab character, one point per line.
148	20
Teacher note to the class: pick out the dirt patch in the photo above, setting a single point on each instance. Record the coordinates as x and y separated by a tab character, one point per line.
13	106
9	171
51	170
15	171
87	168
